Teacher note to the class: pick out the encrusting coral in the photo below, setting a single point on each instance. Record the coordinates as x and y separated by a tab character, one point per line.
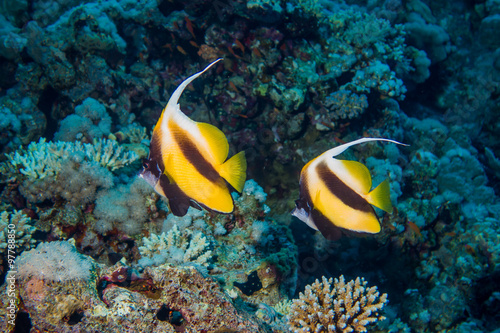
335	306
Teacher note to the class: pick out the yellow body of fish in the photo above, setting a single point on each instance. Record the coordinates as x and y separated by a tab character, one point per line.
187	161
336	194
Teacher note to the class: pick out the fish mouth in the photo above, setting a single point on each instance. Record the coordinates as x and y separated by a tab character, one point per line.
149	177
301	214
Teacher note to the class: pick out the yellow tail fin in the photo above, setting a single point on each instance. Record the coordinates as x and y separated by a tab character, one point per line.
380	197
234	171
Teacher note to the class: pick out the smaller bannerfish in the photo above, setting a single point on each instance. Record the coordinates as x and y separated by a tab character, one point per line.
187	161
335	194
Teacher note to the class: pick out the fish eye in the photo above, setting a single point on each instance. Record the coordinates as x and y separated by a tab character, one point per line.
145	164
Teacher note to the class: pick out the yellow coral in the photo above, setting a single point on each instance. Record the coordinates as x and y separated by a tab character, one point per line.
338	307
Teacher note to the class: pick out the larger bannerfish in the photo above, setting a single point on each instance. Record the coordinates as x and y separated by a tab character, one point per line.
187	161
336	194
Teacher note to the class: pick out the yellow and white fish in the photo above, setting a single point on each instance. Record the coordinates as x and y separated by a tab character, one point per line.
187	161
335	194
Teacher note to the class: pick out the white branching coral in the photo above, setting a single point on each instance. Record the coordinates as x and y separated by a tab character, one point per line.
283	307
335	306
15	229
44	159
109	154
175	247
135	133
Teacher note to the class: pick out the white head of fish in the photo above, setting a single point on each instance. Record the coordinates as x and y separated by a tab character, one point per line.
304	216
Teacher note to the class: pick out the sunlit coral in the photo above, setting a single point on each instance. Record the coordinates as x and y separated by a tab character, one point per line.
335	306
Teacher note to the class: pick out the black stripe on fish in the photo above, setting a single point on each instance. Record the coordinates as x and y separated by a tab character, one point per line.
304	201
155	151
189	150
342	191
178	201
329	230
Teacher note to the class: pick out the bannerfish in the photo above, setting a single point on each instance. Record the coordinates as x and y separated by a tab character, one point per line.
335	194
187	161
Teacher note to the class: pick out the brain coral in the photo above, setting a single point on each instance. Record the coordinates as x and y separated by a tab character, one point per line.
338	307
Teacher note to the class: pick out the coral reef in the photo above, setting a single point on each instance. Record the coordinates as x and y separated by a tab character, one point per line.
73	171
336	306
175	248
54	261
252	256
163	299
16	234
123	207
83	83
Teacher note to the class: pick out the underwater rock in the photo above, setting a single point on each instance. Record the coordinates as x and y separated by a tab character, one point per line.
163	299
488	31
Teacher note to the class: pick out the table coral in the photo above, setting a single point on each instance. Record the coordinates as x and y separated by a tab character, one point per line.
335	306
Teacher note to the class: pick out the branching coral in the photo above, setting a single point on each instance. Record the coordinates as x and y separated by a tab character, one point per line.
176	247
109	154
335	306
72	171
45	159
20	223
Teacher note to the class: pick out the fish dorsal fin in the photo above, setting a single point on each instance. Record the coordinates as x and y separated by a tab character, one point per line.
216	141
381	196
234	171
356	176
340	149
173	103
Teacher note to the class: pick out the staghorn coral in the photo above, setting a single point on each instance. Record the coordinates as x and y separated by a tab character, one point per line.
336	306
